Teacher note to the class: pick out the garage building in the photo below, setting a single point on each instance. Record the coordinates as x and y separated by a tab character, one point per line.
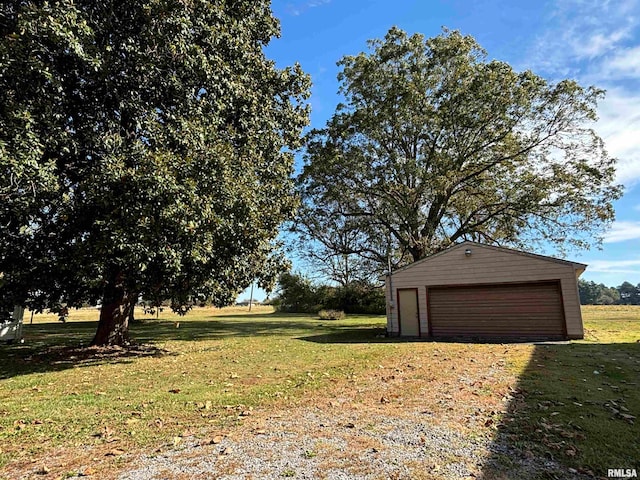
479	291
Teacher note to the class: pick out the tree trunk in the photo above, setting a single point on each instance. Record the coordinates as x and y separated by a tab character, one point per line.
113	327
134	300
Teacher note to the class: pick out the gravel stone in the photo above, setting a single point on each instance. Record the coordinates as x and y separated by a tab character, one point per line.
314	444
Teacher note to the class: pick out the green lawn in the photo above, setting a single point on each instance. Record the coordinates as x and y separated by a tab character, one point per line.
212	368
184	379
581	401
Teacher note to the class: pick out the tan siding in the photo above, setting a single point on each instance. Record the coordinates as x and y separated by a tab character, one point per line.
488	265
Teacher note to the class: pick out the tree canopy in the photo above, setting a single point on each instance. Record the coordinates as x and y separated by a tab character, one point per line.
145	150
436	144
592	293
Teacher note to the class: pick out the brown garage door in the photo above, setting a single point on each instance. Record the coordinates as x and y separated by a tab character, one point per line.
531	310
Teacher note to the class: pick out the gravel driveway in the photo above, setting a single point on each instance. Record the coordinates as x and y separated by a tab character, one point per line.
327	444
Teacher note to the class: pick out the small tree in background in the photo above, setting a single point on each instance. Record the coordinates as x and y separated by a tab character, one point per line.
297	293
629	294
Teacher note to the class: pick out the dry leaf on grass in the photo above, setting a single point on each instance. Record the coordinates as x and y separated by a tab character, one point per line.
44	470
114	453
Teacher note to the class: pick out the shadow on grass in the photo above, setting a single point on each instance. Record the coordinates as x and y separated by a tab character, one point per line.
347	334
571	415
26	361
57	346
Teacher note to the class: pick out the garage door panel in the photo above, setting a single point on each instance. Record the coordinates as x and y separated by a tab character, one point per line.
515	310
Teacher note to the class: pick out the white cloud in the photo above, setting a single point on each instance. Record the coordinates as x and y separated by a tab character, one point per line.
582	30
598	42
619	126
613	266
625	63
623	231
298	8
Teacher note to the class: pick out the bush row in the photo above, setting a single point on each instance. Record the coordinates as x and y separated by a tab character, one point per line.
297	294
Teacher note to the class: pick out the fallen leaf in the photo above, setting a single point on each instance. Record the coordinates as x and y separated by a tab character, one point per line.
627	417
114	453
43	470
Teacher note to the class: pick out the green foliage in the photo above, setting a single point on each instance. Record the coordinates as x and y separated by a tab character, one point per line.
145	148
331	314
599	294
436	144
629	294
297	294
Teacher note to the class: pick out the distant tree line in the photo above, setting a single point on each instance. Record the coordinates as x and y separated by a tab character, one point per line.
592	293
298	294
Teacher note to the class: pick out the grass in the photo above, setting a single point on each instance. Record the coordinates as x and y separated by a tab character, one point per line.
576	398
205	373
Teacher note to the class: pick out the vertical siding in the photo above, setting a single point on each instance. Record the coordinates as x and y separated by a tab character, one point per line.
485	265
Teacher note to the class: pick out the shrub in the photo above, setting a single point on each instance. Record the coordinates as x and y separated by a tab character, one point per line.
297	294
331	314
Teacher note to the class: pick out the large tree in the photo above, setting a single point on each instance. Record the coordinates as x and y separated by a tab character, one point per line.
145	150
435	144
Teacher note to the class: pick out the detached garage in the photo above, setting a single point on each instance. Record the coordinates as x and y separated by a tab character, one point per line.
480	291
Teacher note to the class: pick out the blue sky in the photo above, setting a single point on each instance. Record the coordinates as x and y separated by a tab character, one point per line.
596	42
